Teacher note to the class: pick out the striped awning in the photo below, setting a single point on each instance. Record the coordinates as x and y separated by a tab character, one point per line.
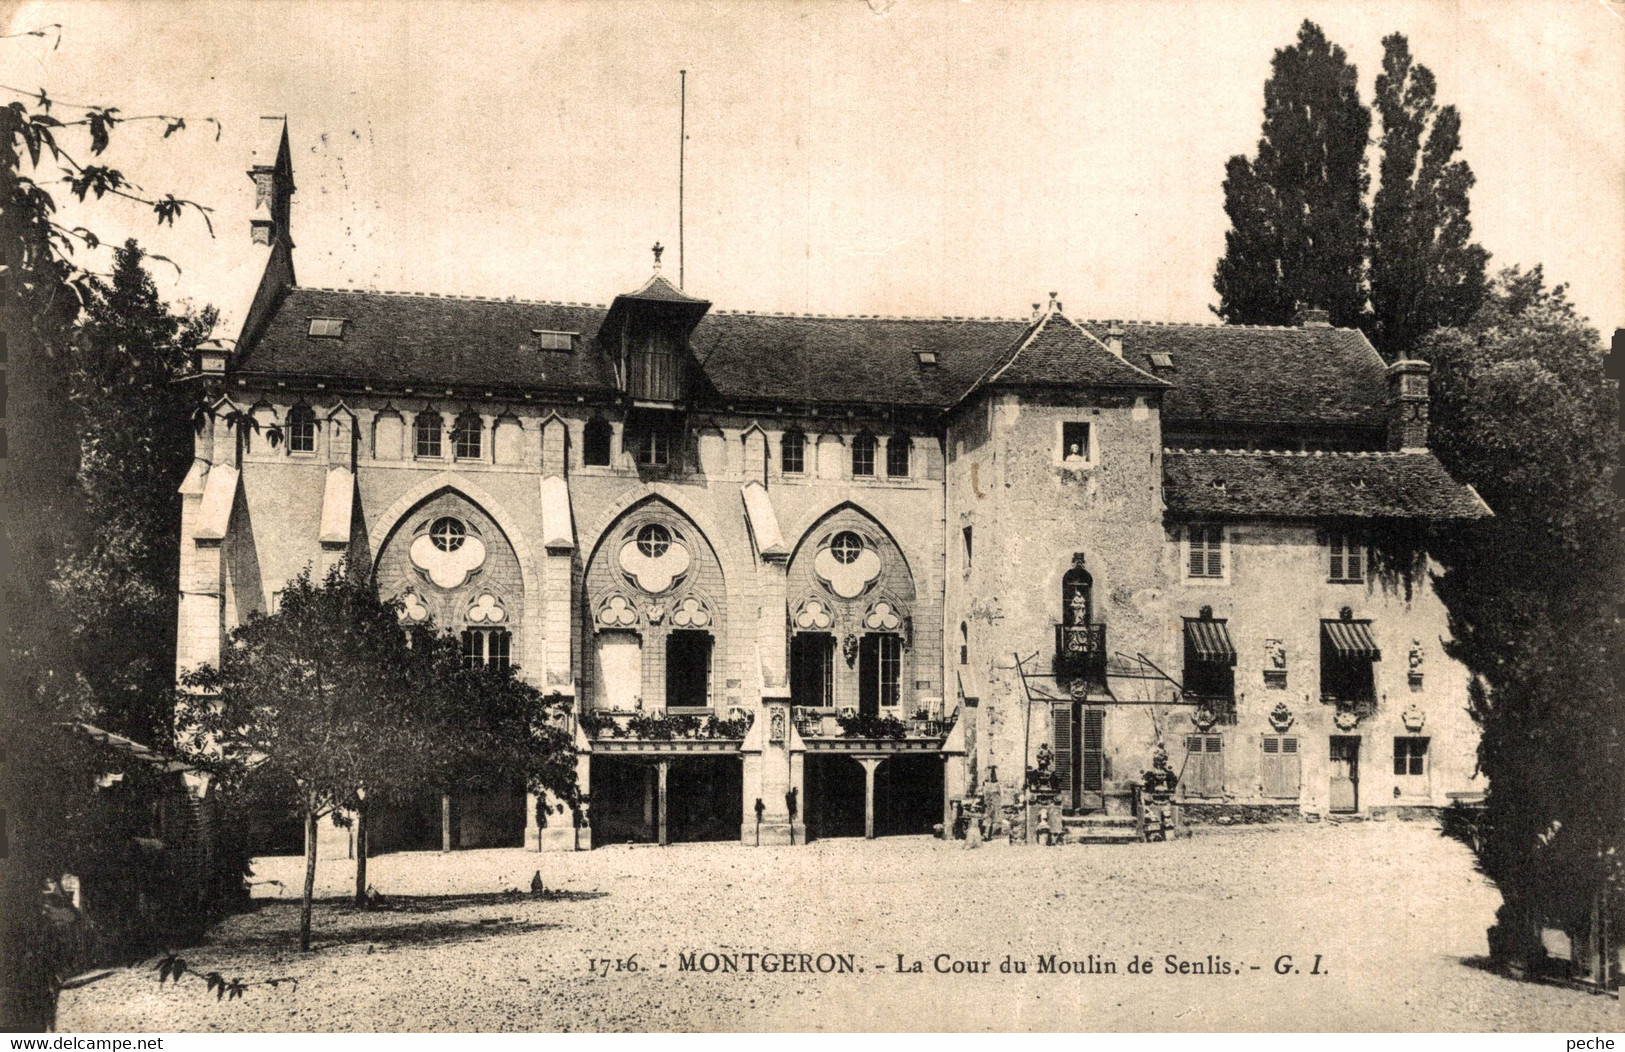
1351	639
1209	641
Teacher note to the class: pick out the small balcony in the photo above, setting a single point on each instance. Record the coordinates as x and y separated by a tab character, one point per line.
1221	704
1080	652
1362	703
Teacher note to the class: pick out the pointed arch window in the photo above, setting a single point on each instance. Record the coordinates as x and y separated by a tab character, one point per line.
426	431
595	443
302	429
467	436
863	455
897	455
793	453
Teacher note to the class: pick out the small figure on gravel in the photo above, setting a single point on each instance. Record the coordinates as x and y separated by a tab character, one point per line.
536	886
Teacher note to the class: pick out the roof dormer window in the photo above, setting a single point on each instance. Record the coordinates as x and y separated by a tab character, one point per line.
552	340
928	359
332	328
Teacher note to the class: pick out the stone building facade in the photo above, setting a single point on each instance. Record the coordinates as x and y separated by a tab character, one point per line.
803	576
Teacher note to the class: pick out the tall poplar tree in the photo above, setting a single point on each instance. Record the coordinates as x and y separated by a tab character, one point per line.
1425	271
1297	210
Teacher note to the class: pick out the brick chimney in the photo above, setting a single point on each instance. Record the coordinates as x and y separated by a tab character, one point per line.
1312	318
1114	339
1408	406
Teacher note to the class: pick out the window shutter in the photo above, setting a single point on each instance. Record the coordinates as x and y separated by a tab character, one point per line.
1093	759
1198	554
1291	767
1063	748
1271	772
1354	562
1195	764
1215	549
1336	573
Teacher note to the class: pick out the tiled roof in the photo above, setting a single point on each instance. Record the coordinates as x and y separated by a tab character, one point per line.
767	357
431	340
1260	375
1220	374
658	288
1245	485
1058	353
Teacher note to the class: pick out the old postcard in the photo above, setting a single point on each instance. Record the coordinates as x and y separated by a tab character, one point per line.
813	516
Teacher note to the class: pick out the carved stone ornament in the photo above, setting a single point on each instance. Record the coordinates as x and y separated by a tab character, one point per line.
690	613
447	551
1078	689
1413	718
1274	655
1346	719
882	617
617	612
1414	674
1281	717
775	726
848	565
813	614
849	649
654	559
413	608
1204	718
655	612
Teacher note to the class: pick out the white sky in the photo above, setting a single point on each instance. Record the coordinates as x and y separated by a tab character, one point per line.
908	157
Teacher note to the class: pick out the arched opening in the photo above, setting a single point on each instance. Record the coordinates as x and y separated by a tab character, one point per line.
1077	597
595	439
301	429
793	453
863	455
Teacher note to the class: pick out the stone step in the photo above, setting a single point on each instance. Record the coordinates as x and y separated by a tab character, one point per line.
1102	836
1099	821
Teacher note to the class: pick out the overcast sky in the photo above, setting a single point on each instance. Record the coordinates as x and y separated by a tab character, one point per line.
906	158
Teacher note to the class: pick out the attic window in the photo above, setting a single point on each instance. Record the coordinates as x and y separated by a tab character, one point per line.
330	327
551	340
928	359
1161	360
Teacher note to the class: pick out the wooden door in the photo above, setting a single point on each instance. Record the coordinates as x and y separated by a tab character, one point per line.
1345	773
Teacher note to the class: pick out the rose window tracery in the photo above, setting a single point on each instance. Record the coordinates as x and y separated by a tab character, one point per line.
447	552
848	565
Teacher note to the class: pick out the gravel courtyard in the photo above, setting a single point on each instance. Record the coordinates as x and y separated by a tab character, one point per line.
1394	911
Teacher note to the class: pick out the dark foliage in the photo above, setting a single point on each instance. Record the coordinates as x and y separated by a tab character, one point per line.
116	584
864	725
1297	209
1425	271
43	507
1523	411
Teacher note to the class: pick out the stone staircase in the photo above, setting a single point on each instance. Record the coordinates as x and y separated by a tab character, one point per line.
1100	829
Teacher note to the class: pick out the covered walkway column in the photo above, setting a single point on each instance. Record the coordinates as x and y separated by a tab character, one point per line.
662	768
870	765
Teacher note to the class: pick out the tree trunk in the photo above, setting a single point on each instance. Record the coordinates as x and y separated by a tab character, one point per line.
361	853
445	822
310	877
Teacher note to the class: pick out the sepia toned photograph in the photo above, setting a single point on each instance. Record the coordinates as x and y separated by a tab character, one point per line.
812	516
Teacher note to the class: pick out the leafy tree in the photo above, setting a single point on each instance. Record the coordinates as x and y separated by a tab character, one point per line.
315	695
1425	271
116	585
42	291
1297	210
1523	411
480	727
